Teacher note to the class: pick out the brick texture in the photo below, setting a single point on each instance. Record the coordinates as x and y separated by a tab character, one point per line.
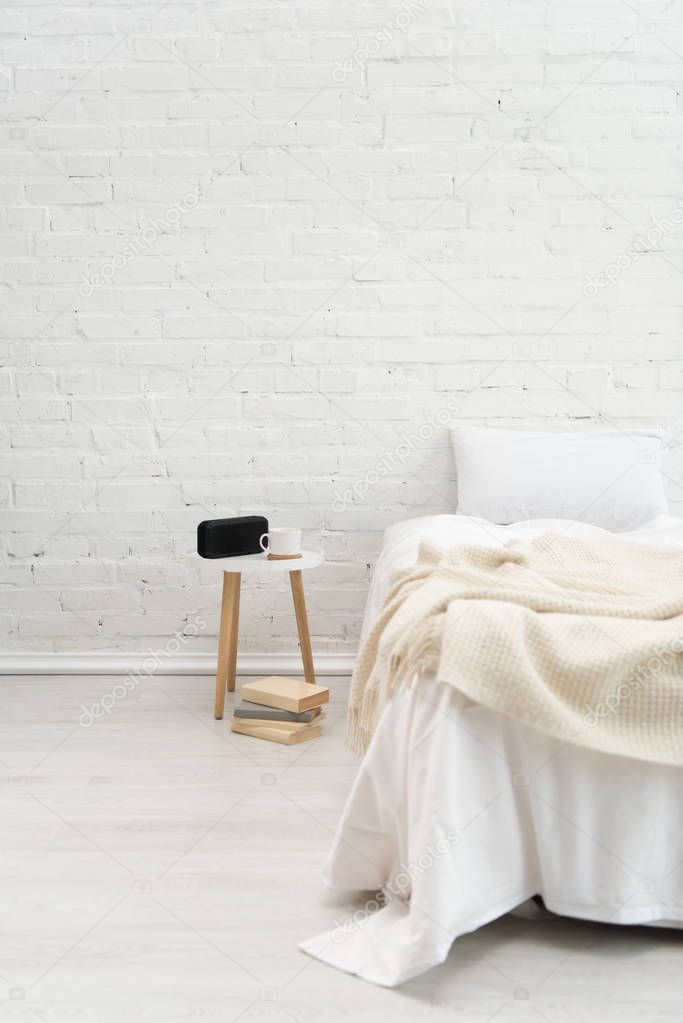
255	257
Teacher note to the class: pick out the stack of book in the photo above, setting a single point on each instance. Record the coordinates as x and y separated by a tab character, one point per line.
280	710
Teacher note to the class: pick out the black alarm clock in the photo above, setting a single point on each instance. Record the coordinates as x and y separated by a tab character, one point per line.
229	538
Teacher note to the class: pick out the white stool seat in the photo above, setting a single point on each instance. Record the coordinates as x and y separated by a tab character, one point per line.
247	564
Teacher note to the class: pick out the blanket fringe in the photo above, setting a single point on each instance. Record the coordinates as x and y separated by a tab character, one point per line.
418	650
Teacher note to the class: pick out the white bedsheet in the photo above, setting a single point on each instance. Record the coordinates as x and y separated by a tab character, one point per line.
467	814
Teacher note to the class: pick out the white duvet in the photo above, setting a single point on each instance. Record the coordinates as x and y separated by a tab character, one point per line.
462	815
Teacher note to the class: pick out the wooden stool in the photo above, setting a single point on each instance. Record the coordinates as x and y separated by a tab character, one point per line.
226	671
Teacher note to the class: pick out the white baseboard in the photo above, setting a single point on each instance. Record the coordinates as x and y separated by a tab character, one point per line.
182	663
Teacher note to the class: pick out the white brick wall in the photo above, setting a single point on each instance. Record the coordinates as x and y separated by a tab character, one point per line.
242	260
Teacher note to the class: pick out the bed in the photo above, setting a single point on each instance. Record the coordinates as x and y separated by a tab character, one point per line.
460	814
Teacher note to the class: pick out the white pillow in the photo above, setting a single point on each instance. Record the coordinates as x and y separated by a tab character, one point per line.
604	478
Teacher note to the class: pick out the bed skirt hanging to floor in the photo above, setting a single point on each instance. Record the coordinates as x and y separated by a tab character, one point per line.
460	815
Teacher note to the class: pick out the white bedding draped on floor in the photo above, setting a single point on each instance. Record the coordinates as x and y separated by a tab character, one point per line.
467	813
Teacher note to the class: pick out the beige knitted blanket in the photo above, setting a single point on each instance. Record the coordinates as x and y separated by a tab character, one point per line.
579	640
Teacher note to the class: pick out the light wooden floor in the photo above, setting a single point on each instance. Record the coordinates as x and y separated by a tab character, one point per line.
155	867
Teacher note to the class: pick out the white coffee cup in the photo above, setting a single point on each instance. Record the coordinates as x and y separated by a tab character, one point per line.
282	543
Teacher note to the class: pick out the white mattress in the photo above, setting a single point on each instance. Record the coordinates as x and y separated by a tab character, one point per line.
467	814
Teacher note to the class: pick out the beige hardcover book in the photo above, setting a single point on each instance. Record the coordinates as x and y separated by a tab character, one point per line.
285	726
285	736
285	693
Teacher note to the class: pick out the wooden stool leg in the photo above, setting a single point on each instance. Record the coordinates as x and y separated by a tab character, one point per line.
227	639
296	581
234	628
